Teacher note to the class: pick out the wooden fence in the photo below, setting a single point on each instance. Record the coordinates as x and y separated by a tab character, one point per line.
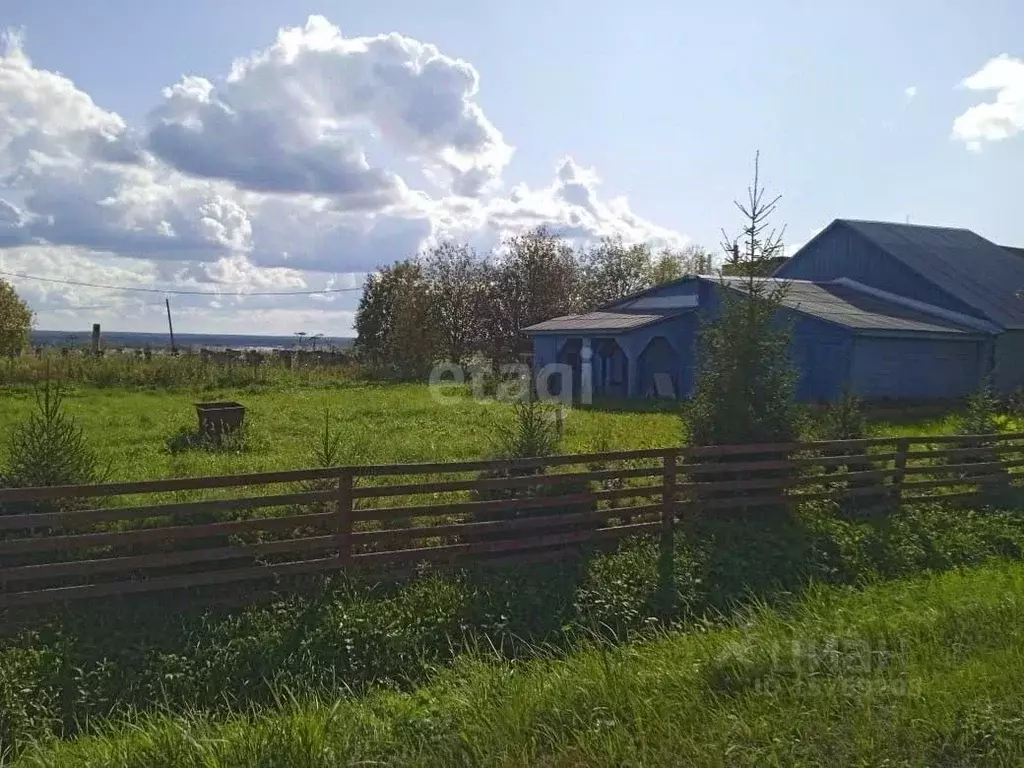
71	543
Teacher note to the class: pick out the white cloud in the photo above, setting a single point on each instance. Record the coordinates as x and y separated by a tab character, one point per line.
1001	118
570	206
296	117
308	164
910	92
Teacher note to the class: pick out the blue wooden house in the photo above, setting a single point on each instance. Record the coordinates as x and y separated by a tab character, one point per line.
883	311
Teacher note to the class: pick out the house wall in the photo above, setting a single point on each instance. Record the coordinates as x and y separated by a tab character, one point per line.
683	287
681	333
819	350
1009	362
545	349
820	353
915	367
830	360
841	252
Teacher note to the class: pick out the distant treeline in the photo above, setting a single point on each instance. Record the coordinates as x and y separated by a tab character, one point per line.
452	303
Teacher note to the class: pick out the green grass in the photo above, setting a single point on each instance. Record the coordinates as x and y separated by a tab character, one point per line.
380	423
921	672
99	662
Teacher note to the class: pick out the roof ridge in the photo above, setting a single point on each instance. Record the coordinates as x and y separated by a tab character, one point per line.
908	224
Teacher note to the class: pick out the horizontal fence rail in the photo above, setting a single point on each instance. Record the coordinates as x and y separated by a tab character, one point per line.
60	544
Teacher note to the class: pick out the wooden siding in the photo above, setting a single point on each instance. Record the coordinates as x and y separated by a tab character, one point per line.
887	368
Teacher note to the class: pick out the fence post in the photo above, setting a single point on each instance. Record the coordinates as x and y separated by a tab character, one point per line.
666	593
902	447
668	493
343	523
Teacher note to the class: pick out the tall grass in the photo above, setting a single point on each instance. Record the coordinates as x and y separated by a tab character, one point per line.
102	661
922	672
167	372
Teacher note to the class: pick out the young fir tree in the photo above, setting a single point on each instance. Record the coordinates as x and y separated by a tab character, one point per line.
745	382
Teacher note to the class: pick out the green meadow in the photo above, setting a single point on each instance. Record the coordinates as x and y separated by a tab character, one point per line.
132	429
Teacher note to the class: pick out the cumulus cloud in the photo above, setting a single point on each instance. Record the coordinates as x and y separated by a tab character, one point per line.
306	165
910	92
295	117
570	206
1001	118
45	121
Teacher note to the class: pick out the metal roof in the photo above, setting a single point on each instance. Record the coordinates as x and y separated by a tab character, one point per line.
965	265
601	321
843	304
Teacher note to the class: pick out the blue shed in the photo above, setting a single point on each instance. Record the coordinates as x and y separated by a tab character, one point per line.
883	311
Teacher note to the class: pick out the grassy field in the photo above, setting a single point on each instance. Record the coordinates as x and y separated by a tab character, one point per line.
386	423
380	423
920	672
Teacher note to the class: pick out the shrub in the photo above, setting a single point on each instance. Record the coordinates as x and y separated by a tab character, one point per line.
844	420
980	418
532	432
49	448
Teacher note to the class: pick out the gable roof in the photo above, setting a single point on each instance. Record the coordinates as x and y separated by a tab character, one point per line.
970	268
844	303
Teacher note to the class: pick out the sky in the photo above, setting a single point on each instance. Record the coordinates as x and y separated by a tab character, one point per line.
239	147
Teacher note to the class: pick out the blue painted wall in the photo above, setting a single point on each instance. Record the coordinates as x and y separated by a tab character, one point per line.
820	353
914	367
841	252
683	287
1008	359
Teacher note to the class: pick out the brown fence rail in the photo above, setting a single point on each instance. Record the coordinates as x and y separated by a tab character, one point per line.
76	542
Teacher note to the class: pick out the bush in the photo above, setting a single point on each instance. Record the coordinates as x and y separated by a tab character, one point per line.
49	448
532	433
981	415
844	420
745	387
190	439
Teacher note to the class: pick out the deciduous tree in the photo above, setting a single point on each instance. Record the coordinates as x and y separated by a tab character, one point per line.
15	320
613	269
535	278
691	259
456	277
394	333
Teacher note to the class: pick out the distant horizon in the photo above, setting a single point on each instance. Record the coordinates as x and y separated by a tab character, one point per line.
162	340
105	331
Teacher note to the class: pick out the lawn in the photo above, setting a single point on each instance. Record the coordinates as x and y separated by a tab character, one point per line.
130	428
381	423
925	671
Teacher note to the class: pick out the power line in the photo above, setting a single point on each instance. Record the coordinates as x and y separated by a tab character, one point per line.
174	291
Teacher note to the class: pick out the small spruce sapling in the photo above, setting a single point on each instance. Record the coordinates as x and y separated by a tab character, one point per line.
49	447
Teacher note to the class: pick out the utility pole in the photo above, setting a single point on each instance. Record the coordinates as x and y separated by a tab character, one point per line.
170	326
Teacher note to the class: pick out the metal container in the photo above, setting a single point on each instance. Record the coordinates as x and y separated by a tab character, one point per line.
220	418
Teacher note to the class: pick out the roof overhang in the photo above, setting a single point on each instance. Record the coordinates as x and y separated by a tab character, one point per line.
602	322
